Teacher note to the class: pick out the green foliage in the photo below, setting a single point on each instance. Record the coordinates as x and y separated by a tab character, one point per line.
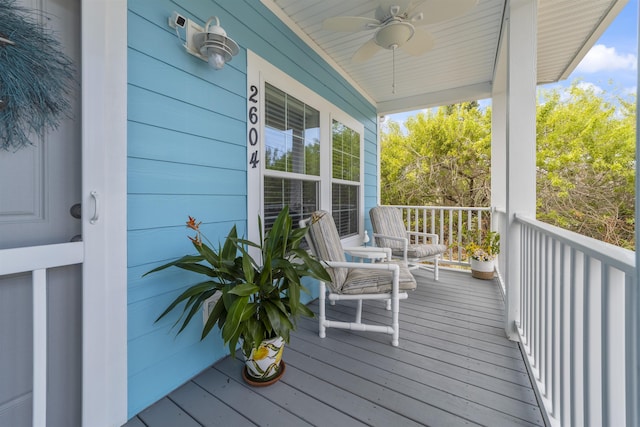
444	159
585	161
259	300
482	245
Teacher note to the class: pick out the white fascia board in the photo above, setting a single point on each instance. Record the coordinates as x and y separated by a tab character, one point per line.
595	35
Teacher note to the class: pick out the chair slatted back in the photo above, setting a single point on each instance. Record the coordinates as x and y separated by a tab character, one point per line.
387	220
324	241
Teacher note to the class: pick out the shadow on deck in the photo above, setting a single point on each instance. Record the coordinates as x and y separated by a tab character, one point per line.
454	366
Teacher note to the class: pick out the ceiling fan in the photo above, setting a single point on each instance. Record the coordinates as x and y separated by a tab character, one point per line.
396	25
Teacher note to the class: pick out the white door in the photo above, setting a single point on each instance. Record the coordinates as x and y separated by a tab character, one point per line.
86	304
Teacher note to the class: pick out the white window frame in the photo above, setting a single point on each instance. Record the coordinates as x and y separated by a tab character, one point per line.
260	71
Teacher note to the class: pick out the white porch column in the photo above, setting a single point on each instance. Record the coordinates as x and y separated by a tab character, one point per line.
519	179
632	298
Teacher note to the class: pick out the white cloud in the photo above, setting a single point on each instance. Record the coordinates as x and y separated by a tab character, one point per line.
603	58
590	86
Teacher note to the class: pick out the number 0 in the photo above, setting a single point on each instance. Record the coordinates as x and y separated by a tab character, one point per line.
253	136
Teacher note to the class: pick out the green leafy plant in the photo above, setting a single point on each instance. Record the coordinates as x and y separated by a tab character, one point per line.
482	245
260	300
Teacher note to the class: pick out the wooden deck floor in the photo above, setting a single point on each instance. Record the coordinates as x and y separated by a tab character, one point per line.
453	367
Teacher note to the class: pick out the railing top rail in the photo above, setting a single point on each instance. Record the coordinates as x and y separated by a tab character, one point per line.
21	260
620	258
454	208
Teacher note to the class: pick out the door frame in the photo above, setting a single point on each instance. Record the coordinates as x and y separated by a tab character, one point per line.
104	174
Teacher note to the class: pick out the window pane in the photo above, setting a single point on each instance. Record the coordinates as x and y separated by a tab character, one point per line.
345	208
312	141
346	152
292	134
301	196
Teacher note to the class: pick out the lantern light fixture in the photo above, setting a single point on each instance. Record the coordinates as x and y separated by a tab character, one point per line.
210	43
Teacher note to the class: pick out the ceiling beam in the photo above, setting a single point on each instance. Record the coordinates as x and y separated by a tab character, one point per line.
435	99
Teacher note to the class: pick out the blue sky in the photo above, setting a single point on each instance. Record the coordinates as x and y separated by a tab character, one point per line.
611	64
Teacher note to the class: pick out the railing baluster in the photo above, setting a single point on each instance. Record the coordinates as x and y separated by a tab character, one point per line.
536	306
425	228
564	338
555	328
586	331
39	281
605	343
572	340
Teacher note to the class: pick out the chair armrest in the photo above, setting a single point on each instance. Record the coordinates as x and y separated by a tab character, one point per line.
435	238
385	266
404	240
384	236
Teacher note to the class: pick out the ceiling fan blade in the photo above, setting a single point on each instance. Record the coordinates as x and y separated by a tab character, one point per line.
439	10
419	44
349	23
366	51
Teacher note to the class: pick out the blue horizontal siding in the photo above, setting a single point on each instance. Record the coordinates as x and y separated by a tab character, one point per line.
164	244
187	151
156	109
151	176
155	143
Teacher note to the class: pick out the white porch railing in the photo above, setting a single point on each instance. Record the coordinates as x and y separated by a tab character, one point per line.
37	259
576	325
449	223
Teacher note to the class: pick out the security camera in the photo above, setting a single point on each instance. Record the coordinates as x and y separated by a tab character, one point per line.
177	20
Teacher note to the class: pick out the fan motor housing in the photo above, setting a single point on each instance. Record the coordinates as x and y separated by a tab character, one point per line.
394	35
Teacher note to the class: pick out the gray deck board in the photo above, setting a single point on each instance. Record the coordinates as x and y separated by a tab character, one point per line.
454	366
165	413
206	408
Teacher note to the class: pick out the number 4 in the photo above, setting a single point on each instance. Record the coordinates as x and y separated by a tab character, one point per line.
254	159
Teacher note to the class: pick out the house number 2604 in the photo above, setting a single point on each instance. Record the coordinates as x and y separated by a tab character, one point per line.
253	128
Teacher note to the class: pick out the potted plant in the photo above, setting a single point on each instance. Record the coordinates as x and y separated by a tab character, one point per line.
260	299
482	249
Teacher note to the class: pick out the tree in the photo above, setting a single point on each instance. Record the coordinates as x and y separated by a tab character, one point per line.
585	161
444	159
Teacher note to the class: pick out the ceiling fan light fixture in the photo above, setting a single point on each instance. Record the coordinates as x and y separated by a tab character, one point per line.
394	35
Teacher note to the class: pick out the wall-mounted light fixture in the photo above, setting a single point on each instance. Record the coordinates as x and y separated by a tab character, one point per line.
209	44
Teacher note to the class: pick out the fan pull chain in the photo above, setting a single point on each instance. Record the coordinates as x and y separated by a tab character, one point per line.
393	71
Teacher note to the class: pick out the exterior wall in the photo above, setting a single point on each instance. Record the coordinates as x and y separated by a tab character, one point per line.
187	155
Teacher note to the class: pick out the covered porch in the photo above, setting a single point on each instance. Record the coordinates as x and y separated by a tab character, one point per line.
454	366
554	337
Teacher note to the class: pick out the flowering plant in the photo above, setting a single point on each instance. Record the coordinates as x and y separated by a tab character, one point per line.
483	245
260	300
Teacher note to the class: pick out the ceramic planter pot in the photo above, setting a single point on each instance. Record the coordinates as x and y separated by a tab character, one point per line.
264	363
482	269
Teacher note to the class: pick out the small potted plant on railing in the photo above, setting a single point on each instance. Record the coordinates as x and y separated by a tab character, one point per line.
482	249
260	299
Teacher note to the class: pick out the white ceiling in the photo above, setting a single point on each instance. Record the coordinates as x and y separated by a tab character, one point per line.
461	64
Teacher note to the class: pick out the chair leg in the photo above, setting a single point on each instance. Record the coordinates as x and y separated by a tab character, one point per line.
322	331
359	312
436	273
395	324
